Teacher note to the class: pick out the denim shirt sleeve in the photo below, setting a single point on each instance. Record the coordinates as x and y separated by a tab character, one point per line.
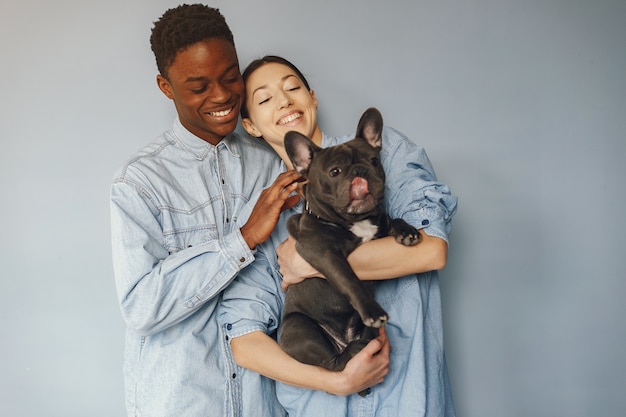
412	189
157	289
253	301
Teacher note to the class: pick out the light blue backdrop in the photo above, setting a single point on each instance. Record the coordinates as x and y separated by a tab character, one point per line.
520	104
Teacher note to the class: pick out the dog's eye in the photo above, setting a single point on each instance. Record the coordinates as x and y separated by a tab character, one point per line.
334	172
374	162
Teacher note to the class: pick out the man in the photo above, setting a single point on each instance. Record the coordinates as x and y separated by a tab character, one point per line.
183	224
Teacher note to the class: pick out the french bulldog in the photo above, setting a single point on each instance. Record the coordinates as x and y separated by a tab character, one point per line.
327	321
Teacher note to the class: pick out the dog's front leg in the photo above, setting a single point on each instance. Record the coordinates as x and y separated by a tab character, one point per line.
338	272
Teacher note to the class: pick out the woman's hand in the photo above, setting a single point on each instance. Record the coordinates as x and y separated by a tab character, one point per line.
367	368
293	267
267	209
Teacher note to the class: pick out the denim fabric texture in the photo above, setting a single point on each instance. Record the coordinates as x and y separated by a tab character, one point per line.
418	383
176	211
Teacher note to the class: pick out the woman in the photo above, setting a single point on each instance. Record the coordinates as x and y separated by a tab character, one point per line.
279	99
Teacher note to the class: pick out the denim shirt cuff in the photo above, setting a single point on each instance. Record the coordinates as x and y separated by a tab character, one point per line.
237	250
243	328
430	221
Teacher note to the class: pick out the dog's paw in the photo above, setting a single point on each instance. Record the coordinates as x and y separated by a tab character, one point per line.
408	238
376	322
404	233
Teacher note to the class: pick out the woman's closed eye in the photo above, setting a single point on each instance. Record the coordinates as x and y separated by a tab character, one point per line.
263	100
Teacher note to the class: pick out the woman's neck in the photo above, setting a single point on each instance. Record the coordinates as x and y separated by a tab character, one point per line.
316	137
282	153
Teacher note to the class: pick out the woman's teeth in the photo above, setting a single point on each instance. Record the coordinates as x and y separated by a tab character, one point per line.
289	118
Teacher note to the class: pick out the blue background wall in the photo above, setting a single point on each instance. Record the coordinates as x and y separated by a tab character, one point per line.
520	104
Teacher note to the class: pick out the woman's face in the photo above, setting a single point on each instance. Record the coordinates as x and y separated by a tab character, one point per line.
278	101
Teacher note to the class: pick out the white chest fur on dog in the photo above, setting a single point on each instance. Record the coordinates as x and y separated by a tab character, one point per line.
364	229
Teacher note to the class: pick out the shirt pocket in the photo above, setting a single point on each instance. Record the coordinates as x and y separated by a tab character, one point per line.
392	292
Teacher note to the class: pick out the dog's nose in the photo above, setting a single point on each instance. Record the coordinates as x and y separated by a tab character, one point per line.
359	171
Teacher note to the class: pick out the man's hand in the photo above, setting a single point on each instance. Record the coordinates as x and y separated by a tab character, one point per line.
293	267
368	367
267	209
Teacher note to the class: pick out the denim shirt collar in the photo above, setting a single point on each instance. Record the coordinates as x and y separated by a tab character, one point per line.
328	141
198	148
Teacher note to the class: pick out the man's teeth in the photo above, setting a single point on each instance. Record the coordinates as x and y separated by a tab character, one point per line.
290	118
220	113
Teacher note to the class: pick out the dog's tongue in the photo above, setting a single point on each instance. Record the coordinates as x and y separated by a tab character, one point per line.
358	188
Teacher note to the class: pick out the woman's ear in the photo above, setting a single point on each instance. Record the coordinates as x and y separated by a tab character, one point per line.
250	127
313	97
165	86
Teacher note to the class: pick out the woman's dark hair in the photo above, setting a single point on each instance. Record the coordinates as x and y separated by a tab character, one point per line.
257	63
183	26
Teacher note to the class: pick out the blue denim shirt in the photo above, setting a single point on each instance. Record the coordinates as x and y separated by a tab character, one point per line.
418	383
176	210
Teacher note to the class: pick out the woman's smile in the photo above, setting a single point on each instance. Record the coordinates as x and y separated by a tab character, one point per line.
290	118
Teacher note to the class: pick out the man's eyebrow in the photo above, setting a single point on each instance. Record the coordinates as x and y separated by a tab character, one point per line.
192	79
261	87
203	78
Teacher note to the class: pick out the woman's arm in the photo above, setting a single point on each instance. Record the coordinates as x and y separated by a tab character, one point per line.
260	353
385	258
251	308
375	260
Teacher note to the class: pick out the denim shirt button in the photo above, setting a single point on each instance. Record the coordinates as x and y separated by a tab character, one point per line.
242	259
425	222
234	376
229	326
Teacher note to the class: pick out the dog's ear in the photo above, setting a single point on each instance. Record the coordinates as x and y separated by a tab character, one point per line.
300	150
370	127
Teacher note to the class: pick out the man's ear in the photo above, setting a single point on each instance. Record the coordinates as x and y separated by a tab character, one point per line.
165	86
250	127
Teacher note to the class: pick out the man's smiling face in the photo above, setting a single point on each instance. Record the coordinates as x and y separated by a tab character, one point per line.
207	89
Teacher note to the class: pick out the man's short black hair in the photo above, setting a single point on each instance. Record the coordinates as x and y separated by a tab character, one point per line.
184	26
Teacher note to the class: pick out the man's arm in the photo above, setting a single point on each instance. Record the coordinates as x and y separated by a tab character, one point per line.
157	289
